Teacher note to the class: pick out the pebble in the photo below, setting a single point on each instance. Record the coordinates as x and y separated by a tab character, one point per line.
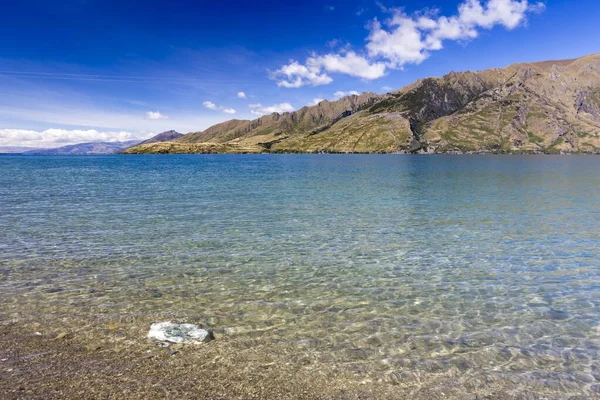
230	331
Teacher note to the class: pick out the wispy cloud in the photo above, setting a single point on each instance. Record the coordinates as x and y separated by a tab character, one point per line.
406	39
155	115
39	116
97	77
212	106
333	43
241	95
259	109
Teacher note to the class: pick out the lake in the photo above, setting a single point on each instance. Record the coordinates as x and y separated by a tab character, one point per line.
385	267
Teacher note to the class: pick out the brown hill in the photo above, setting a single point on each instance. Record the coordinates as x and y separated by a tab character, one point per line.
543	107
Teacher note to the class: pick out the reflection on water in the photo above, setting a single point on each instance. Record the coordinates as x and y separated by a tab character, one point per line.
393	265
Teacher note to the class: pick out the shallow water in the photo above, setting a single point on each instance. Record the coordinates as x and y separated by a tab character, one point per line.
378	264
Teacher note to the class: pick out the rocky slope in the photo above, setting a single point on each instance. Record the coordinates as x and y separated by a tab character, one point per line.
544	107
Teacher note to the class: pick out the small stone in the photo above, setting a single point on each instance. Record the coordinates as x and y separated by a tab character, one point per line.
61	335
393	378
229	331
179	333
173	352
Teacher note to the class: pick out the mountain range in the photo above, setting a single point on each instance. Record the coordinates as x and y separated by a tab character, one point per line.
540	107
90	148
96	148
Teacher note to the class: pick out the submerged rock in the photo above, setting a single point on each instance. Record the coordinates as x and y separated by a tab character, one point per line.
179	333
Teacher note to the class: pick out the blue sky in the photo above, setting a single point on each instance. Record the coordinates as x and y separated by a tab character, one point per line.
81	70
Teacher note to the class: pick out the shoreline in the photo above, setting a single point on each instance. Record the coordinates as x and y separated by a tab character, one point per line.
115	360
395	152
403	153
363	153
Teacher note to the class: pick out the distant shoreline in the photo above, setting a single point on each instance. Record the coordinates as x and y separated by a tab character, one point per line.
316	153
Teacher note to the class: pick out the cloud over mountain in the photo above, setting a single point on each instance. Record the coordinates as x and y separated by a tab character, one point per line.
259	109
340	93
406	39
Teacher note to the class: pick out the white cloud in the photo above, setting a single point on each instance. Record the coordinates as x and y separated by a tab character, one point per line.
349	63
409	39
387	88
241	95
339	94
295	75
401	44
406	39
62	137
212	106
155	115
315	101
259	109
509	13
315	72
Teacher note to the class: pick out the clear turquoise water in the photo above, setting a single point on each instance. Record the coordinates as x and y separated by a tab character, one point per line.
418	264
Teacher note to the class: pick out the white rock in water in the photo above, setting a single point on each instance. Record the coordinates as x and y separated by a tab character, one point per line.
179	333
